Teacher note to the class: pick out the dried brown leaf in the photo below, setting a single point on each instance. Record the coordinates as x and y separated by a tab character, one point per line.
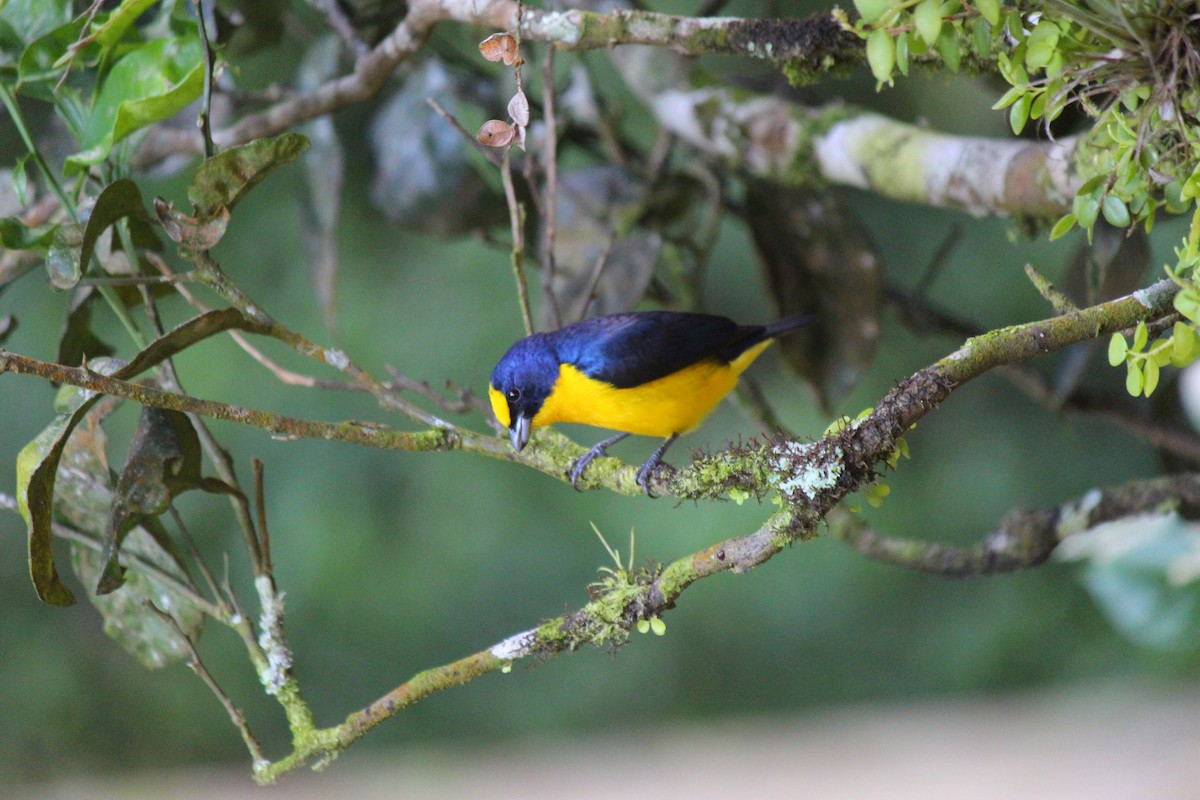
500	47
495	133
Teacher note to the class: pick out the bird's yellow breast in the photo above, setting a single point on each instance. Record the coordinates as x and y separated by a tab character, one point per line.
676	403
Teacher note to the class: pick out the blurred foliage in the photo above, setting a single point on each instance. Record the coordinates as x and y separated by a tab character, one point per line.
394	562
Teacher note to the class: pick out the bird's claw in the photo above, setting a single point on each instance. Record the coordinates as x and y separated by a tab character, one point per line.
581	463
647	471
578	467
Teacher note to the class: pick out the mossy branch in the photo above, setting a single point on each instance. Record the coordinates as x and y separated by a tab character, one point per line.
774	466
813	478
1027	538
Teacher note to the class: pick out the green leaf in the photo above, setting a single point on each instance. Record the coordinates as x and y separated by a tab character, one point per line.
1115	211
1188	304
902	50
927	16
38	69
871	10
1150	382
118	200
949	49
1086	208
20	179
31	19
1041	45
224	179
147	85
1015	28
1062	227
1183	342
112	29
1018	114
1191	188
989	10
1038	106
1008	98
881	54
1171	194
981	37
37	464
1117	348
1133	379
1092	185
1141	335
16	235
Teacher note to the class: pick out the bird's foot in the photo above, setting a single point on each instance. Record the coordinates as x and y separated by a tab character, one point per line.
647	471
653	463
581	463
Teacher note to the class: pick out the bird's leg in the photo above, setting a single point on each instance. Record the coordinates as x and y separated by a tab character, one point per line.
643	474
599	449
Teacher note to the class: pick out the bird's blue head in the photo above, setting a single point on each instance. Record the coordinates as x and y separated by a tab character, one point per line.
521	382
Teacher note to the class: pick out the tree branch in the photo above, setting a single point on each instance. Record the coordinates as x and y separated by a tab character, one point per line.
1025	539
764	136
794	145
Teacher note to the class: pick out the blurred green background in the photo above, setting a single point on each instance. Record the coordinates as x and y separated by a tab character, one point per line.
395	562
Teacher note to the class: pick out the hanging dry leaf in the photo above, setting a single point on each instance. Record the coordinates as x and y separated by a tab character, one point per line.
495	133
500	47
518	108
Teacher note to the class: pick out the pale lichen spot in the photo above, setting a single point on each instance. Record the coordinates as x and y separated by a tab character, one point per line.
561	27
270	637
1074	517
336	358
514	646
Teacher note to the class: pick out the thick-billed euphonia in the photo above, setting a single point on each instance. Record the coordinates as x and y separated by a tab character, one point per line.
654	373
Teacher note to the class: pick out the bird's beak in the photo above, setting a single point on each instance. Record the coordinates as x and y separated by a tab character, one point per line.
519	432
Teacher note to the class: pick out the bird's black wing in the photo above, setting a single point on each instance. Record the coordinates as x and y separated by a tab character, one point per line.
628	350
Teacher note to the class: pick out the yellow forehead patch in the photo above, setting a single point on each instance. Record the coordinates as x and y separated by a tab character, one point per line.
499	405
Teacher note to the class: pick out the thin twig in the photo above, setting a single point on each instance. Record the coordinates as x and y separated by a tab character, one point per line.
342	26
260	507
940	258
200	563
197	666
135	280
516	215
489	152
589	293
550	207
443	437
1057	300
465	400
206	98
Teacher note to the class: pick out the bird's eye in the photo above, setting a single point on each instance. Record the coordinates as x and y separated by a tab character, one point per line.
513	394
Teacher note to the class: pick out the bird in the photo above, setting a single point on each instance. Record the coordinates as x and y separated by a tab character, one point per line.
653	373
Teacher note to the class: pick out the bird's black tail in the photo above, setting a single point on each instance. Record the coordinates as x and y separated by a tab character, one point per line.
787	325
